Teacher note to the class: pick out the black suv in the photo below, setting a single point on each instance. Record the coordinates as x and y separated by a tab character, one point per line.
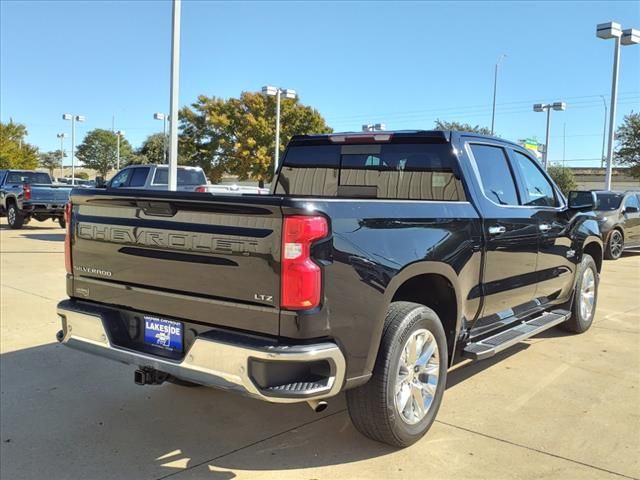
619	217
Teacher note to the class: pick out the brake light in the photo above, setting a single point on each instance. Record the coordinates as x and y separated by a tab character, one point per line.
361	138
201	189
67	238
301	277
26	192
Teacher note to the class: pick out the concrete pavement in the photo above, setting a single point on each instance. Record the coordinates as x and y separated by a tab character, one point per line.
557	406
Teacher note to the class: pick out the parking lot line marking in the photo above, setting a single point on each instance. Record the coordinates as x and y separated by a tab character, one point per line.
578	462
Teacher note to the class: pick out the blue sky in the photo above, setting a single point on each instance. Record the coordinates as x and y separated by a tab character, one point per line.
402	64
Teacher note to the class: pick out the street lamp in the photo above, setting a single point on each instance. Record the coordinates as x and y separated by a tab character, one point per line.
163	117
547	107
119	134
74	119
278	92
630	36
61	136
604	130
495	87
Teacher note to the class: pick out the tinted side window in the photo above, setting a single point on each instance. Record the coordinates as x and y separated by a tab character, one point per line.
631	201
121	179
536	190
495	174
139	177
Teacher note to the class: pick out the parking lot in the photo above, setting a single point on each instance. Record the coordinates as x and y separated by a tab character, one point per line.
557	406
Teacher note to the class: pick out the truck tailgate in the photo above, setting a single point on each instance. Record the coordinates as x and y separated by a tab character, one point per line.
50	193
211	259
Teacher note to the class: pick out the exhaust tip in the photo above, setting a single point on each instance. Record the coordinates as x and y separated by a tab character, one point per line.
318	405
60	335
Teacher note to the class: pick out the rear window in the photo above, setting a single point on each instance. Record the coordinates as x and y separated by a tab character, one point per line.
28	177
185	177
397	171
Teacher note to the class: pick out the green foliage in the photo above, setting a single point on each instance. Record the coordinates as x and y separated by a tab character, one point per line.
82	175
15	152
98	151
463	127
563	177
51	160
628	143
237	135
151	151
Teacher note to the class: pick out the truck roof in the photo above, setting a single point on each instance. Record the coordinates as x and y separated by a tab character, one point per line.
443	135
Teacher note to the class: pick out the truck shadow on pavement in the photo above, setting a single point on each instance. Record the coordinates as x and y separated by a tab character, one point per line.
45	237
78	416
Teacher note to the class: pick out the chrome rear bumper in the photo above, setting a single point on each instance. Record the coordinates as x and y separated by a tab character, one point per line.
217	364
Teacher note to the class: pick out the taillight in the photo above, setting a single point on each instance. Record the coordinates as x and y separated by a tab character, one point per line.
301	277
26	192
201	189
67	238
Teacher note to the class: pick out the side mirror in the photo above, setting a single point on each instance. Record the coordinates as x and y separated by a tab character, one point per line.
582	200
630	209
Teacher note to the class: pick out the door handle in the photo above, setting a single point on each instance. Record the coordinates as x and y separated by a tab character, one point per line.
544	227
497	230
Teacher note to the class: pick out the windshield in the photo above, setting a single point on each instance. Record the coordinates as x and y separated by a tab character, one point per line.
185	177
28	177
608	201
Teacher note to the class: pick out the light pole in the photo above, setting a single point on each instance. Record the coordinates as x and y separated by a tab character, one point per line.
61	136
495	88
74	119
547	107
174	98
630	36
163	117
118	134
278	92
604	130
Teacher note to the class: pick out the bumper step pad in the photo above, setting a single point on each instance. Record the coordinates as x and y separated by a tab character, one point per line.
488	347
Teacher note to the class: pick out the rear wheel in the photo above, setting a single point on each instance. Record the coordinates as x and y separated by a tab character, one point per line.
399	403
15	218
62	222
585	297
615	245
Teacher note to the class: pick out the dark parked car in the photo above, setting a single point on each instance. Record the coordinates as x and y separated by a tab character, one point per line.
378	261
27	194
619	217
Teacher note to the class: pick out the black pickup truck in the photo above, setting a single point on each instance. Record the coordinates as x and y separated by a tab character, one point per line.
377	262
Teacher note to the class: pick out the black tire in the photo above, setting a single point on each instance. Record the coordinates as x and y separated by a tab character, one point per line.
615	245
580	322
372	406
62	222
15	218
181	382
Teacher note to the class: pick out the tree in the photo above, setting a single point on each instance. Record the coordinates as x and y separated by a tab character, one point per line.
98	151
464	127
564	178
628	143
51	160
151	151
15	152
82	175
237	135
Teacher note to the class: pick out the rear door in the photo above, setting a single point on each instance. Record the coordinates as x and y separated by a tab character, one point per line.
180	255
556	258
631	214
511	238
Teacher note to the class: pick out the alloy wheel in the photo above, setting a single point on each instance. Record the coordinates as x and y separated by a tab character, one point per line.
417	377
